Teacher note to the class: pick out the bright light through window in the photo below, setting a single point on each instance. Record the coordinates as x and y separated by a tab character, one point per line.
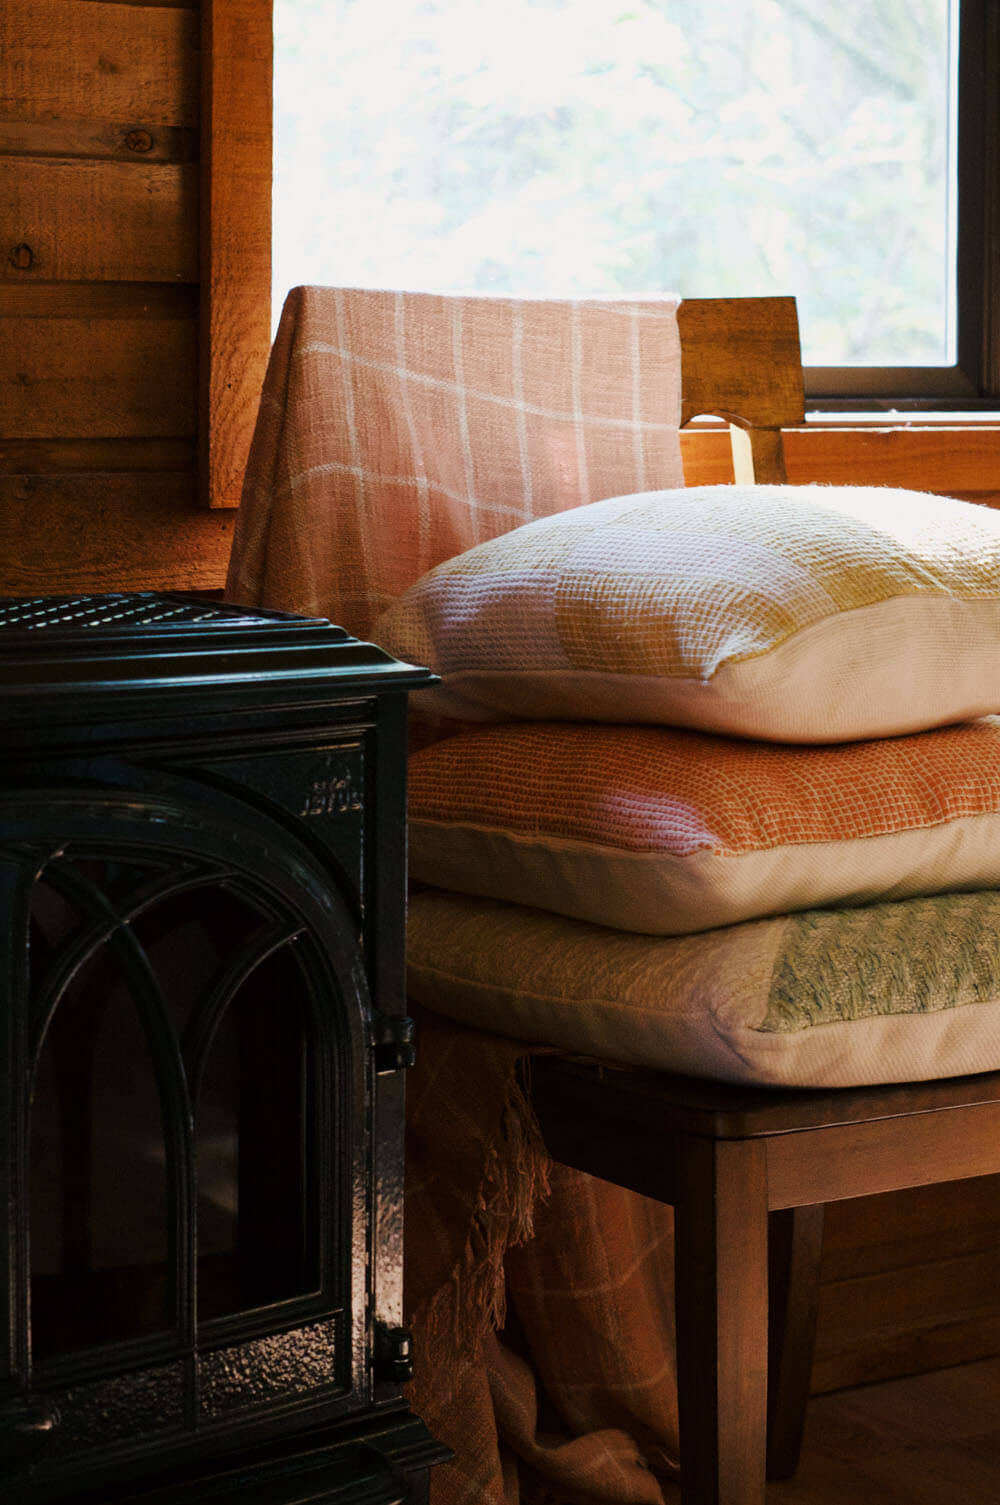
566	147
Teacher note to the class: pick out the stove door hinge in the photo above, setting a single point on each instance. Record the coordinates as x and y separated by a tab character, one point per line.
393	1354
394	1043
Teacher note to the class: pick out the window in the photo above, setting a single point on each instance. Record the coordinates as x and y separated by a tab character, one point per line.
578	146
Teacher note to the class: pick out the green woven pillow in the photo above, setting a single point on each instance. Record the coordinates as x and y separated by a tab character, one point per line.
906	991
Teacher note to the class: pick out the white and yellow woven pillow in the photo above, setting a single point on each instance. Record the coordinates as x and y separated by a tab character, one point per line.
791	613
665	831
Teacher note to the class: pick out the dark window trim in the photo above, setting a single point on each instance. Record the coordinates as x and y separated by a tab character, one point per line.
974	381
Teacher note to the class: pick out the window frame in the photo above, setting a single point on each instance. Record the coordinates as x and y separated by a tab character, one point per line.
236	278
973	382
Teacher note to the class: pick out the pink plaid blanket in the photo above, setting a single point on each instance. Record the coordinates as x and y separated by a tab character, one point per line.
395	431
399	429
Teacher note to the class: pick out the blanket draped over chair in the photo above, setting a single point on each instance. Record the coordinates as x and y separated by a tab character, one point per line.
395	431
399	429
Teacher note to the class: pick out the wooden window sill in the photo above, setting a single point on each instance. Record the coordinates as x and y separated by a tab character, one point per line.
952	455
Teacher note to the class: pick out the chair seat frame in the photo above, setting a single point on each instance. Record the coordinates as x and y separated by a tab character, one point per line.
748	1172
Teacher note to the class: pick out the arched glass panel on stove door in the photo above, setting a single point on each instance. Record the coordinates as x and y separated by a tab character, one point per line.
256	1130
108	1109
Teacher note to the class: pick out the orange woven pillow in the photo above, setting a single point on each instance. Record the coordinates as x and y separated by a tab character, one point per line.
664	831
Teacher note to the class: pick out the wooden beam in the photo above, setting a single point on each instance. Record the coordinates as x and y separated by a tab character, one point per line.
235	237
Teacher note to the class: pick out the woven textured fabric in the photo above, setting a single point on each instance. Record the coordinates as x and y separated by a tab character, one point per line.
399	429
586	1266
665	831
898	992
794	613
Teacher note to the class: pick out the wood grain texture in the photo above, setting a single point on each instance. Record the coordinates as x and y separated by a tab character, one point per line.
175	4
122	141
72	59
795	1249
901	1322
87	221
109	532
721	1287
947	1292
98	378
883	1354
919	1242
740	360
861	1159
941	459
930	1440
948	459
67	457
99	300
911	1227
236	237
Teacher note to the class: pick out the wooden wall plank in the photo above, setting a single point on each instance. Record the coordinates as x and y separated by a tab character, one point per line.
99	300
882	1353
911	1227
909	1282
109	532
81	220
58	457
236	237
177	4
893	1323
947	1290
122	141
73	59
98	378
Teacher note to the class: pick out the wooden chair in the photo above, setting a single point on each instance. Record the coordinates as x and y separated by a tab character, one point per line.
748	1170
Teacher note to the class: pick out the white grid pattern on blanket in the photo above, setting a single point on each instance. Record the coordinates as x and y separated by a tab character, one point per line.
397	429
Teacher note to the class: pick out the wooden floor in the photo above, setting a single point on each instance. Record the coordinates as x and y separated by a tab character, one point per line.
933	1439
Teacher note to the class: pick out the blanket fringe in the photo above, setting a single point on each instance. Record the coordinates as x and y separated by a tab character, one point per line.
516	1177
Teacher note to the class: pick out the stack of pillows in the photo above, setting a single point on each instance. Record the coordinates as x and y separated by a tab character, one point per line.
727	796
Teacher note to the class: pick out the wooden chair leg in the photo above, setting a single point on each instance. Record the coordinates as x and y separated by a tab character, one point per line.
795	1247
721	1284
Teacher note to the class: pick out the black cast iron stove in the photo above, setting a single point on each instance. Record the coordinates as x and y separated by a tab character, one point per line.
202	1047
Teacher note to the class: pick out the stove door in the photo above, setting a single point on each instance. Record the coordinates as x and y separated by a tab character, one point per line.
187	1061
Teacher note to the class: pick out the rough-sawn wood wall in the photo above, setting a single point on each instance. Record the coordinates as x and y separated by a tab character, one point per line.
132	287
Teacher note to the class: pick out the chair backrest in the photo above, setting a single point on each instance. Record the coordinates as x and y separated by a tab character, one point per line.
399	429
741	360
